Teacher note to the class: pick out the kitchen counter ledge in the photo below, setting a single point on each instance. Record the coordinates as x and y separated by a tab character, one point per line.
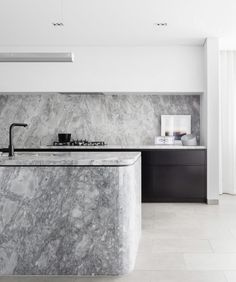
113	148
124	147
70	159
109	147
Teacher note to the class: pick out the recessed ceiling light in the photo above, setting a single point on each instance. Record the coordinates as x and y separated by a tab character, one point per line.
163	24
58	24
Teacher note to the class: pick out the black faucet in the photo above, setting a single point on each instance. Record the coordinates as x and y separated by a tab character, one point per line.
11	147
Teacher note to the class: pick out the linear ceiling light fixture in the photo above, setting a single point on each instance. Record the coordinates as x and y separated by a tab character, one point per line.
37	57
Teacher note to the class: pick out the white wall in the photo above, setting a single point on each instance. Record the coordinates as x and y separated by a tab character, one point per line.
210	118
107	69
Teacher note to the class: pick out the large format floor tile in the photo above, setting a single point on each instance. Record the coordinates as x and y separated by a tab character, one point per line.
223	245
230	276
188	276
175	246
210	261
150	261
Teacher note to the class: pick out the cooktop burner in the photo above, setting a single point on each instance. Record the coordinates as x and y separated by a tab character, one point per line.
82	142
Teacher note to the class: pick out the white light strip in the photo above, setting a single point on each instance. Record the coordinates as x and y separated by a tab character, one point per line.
36	57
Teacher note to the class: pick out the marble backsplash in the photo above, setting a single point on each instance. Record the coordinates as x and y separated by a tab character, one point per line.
116	119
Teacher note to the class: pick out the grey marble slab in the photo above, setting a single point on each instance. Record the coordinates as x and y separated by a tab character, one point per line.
70	158
69	220
115	119
133	147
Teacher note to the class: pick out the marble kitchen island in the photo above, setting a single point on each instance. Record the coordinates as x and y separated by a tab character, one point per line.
69	213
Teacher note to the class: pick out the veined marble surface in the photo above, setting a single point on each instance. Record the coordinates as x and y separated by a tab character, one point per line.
70	158
115	119
69	220
107	147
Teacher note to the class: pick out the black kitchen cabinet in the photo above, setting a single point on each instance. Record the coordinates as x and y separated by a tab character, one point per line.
174	176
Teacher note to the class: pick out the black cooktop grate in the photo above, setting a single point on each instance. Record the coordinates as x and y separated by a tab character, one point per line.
82	142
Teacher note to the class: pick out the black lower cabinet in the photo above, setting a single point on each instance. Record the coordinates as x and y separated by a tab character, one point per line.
166	179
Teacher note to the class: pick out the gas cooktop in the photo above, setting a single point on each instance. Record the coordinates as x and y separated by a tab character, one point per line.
82	142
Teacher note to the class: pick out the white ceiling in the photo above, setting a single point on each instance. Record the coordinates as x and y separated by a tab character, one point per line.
115	22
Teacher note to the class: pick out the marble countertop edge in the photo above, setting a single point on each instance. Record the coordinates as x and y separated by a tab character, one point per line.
70	159
124	147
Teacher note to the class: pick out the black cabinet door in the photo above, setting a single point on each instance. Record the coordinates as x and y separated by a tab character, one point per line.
173	184
166	178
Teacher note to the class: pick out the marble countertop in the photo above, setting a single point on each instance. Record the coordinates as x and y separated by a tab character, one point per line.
133	147
70	159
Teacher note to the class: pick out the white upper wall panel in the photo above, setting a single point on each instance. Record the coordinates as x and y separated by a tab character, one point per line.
108	69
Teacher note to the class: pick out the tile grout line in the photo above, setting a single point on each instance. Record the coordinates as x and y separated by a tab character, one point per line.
213	251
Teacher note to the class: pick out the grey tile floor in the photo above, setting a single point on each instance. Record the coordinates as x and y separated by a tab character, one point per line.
180	243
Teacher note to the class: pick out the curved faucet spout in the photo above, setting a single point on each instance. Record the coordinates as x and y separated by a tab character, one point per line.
11	147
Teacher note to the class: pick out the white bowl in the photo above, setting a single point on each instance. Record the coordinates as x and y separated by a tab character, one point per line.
189	140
